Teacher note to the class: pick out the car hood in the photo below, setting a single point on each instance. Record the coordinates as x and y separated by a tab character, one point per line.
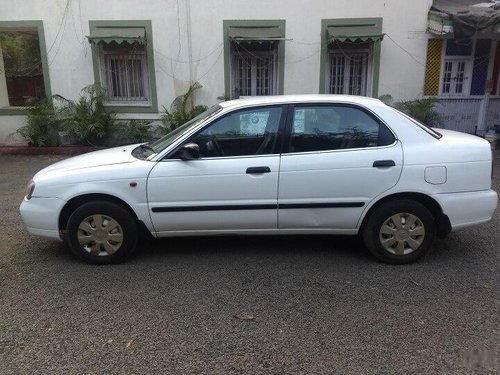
110	156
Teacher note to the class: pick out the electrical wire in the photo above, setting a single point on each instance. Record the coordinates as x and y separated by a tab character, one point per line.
192	61
406	51
63	24
60	26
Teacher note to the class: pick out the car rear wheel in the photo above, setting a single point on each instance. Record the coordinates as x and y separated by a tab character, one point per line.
101	232
399	231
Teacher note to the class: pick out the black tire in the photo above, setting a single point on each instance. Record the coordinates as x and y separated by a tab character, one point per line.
373	236
127	228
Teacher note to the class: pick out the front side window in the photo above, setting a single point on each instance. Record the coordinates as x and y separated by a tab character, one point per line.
336	127
242	133
124	73
21	73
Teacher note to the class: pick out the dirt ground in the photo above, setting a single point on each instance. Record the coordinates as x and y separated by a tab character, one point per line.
315	304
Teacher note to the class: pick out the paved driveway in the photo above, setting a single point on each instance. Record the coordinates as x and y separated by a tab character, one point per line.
320	304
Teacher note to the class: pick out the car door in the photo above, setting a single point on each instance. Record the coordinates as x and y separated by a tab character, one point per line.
232	186
338	157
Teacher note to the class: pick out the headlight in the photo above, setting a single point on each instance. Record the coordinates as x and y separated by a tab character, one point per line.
29	189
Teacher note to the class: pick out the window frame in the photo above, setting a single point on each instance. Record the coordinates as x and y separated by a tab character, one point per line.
469	64
253	56
367	84
145	72
151	106
289	126
38	25
228	58
374	71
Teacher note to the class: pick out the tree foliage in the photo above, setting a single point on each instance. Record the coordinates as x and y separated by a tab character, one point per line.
86	119
422	110
41	125
181	110
21	54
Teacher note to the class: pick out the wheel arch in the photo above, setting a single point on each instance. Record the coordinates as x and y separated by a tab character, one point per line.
443	226
77	201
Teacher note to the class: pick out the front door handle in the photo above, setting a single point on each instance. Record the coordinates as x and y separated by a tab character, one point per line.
384	163
256	170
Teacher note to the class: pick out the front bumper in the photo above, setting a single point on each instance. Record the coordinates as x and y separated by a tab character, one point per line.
41	216
470	208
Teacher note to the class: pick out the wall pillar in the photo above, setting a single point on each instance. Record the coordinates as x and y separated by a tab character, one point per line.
4	95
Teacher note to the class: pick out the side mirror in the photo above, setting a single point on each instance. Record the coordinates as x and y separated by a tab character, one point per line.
189	151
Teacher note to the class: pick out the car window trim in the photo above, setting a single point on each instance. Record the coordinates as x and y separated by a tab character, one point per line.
275	150
369	112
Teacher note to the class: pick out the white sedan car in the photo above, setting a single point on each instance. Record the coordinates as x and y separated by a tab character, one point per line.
277	165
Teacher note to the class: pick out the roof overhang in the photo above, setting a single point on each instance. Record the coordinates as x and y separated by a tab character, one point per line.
354	33
262	33
118	34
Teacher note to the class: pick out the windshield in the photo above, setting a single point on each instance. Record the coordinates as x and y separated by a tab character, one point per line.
148	150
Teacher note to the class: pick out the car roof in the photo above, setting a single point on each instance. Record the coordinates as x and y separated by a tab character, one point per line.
283	99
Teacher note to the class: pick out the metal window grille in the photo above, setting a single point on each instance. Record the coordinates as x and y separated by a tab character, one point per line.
348	73
459	86
447	77
337	70
254	74
454	77
126	76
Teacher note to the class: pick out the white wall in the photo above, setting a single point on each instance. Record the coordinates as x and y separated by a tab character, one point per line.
70	61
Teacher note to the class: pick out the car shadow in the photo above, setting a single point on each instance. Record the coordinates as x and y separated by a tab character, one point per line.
347	247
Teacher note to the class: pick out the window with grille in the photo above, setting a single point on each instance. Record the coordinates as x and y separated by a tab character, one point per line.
457	67
254	72
348	73
125	73
454	77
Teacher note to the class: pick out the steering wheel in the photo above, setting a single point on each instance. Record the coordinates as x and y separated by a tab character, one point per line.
216	145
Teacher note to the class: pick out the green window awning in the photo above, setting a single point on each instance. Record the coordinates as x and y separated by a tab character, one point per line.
256	33
354	33
118	34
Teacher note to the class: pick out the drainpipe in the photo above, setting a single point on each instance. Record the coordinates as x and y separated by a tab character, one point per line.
190	47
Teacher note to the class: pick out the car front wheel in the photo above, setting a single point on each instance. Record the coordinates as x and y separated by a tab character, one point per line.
399	231
101	232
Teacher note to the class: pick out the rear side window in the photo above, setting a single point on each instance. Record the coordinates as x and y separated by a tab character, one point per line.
336	127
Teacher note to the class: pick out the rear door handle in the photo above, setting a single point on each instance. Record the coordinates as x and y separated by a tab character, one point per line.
384	163
256	170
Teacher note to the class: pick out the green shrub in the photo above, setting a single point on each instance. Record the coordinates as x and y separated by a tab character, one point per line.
86	119
132	131
421	110
181	110
41	126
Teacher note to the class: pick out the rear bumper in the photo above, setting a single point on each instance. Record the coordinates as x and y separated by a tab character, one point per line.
41	216
470	208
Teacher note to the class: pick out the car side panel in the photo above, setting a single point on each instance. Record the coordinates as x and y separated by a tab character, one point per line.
344	181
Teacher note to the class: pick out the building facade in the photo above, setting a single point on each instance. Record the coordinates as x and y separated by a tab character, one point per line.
146	54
